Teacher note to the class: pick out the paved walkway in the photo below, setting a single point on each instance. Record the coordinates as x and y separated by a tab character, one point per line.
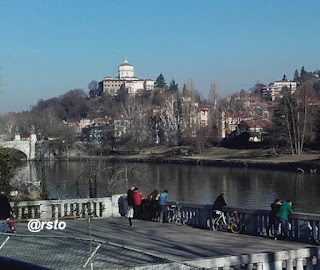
181	243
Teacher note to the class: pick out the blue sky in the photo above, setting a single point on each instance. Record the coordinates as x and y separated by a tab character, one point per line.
50	47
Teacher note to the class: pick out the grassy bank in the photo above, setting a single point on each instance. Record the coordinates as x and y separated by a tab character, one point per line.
218	156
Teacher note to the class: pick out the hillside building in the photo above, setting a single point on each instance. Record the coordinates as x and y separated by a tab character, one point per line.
274	89
125	80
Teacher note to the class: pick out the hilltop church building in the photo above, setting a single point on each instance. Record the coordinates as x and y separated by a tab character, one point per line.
126	80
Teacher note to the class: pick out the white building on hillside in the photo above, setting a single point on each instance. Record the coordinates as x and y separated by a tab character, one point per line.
127	80
274	89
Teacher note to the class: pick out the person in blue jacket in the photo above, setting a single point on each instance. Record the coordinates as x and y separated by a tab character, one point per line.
163	203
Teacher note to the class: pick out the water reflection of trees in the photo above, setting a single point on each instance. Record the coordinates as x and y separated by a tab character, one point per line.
199	184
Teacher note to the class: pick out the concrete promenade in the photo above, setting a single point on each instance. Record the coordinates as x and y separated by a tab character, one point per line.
178	243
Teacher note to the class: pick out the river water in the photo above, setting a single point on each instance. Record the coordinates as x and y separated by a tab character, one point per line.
243	187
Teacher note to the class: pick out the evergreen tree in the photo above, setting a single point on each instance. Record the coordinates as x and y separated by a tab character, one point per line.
185	90
173	86
161	82
296	76
302	72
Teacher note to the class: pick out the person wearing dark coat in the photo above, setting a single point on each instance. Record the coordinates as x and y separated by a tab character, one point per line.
130	196
152	205
5	212
272	215
218	204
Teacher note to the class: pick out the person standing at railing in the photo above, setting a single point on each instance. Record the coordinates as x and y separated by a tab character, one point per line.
151	205
130	197
130	214
5	212
137	198
130	202
282	219
275	206
163	203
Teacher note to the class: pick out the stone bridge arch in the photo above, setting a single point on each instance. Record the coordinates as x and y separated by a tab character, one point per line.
28	147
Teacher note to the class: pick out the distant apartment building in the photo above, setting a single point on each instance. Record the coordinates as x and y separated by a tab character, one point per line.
125	80
274	89
202	116
98	129
119	127
92	129
251	100
85	123
92	134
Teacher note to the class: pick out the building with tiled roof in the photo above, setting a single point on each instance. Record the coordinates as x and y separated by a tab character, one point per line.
255	127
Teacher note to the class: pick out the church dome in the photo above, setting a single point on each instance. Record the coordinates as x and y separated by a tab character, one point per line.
125	63
125	70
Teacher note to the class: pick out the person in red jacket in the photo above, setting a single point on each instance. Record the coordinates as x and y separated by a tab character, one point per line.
137	198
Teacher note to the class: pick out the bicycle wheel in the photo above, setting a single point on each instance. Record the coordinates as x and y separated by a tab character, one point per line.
236	226
178	221
217	224
169	217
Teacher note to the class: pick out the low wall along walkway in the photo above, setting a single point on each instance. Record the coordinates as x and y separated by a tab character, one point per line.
303	226
71	208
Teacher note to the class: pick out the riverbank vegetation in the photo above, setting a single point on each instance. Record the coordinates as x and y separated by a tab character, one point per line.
171	117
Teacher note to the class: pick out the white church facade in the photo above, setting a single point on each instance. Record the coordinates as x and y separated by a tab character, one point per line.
126	80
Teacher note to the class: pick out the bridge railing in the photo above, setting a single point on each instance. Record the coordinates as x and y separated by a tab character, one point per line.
70	208
302	226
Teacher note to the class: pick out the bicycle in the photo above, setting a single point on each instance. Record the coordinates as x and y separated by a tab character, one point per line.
219	222
175	215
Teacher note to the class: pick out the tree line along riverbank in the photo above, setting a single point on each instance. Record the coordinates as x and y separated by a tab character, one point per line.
216	156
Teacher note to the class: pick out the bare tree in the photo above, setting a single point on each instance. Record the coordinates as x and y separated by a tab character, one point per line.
213	95
295	115
7	123
137	109
97	171
306	113
190	102
93	85
214	112
170	117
